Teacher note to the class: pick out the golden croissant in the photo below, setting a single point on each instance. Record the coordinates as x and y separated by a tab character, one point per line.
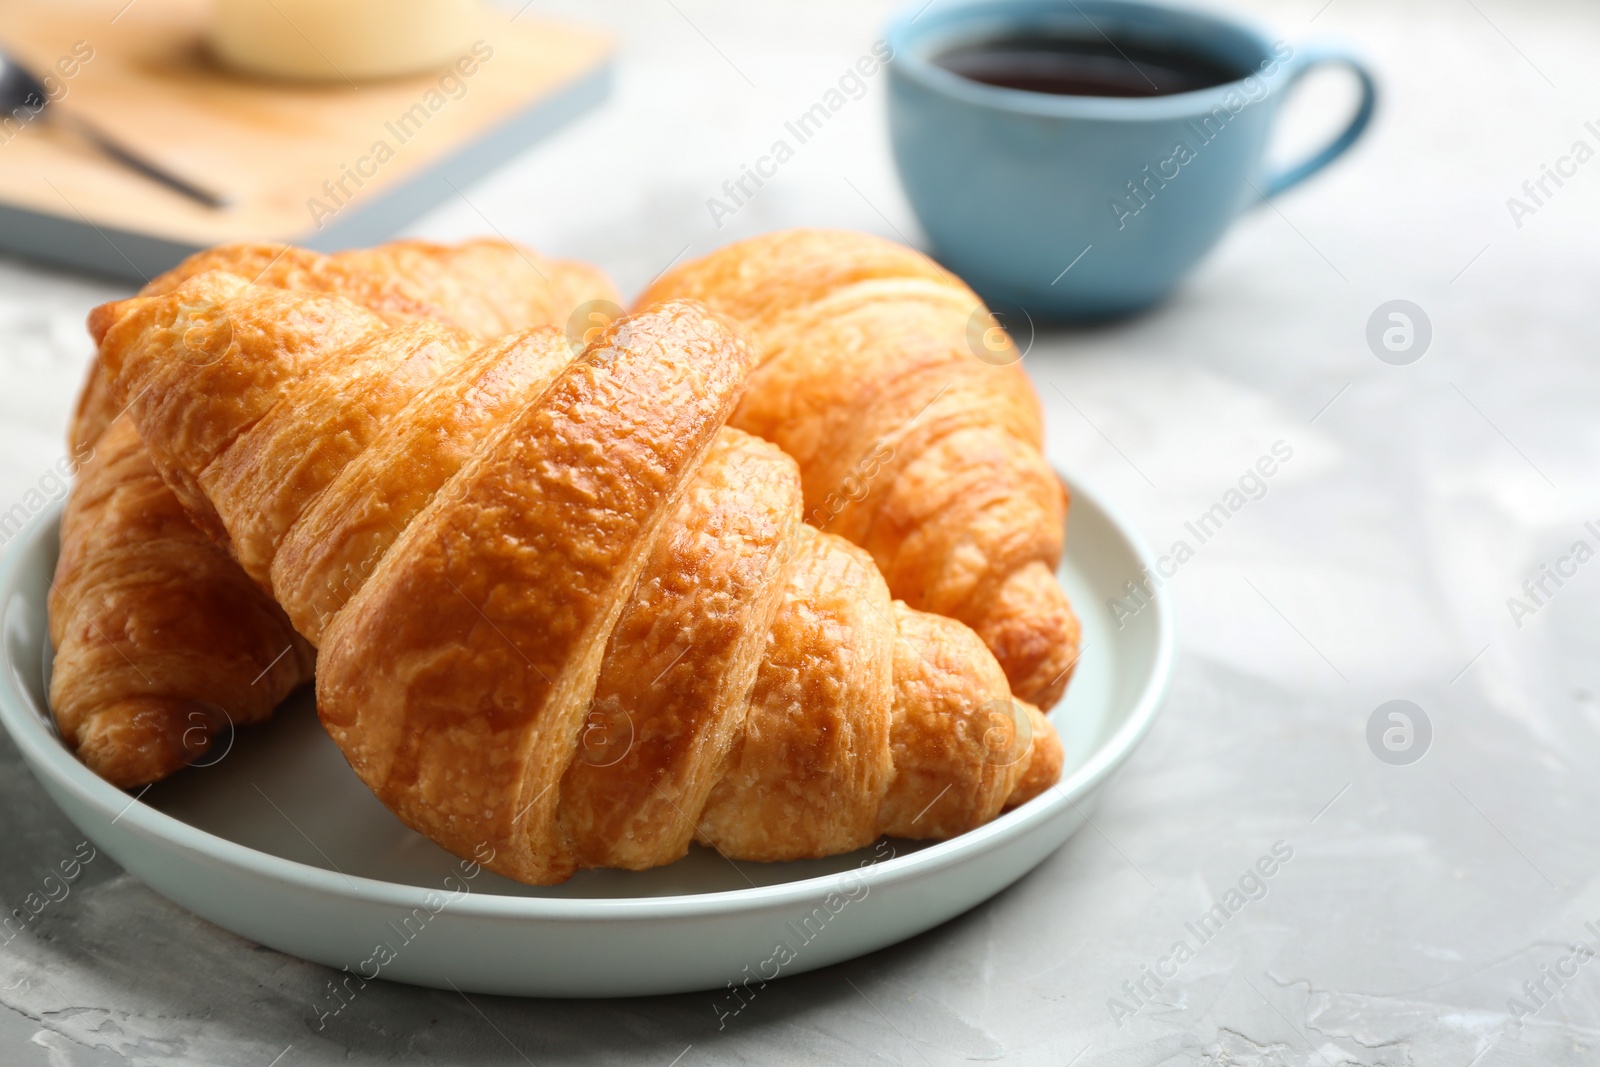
160	637
916	431
156	629
563	611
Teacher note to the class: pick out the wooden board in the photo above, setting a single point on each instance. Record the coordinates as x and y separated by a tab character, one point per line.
327	165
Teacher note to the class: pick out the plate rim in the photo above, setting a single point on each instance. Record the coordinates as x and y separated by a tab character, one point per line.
44	749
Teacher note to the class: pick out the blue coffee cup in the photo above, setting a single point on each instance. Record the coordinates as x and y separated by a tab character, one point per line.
1079	207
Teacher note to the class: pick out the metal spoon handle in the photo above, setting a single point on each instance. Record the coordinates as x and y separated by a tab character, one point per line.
129	158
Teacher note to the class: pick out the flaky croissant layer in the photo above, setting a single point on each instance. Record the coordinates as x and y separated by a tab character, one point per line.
575	617
913	441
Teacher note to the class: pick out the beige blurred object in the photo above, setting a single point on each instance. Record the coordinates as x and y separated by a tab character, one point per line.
322	40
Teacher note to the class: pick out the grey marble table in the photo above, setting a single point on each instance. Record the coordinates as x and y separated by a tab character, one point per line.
1427	912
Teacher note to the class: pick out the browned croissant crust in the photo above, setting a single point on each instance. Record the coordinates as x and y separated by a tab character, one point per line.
484	286
160	637
576	619
909	444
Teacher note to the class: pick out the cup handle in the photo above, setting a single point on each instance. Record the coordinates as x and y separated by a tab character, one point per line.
1306	58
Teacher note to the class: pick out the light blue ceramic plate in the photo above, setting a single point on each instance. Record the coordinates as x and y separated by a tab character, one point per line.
279	841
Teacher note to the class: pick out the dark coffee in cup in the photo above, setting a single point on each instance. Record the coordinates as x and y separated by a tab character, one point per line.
1069	66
